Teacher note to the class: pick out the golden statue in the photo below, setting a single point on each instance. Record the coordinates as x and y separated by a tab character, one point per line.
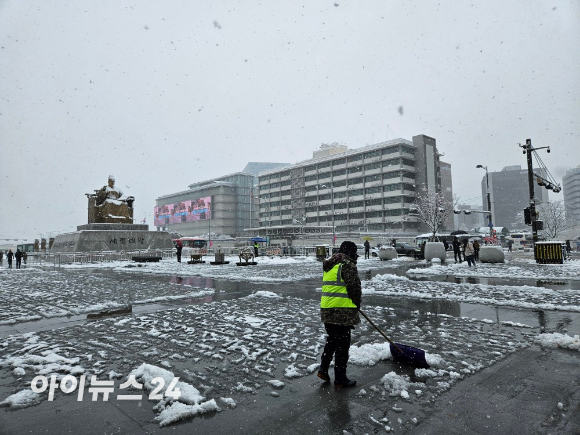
107	205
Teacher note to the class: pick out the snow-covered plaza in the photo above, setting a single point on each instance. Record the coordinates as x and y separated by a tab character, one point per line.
245	343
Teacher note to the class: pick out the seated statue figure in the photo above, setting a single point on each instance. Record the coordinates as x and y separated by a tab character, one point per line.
108	205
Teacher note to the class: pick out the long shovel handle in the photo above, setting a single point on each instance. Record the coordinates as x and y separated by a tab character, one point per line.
382	333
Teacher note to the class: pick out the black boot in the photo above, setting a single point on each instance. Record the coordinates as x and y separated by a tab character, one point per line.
340	379
323	370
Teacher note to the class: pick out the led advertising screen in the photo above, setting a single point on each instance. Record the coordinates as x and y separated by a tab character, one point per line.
185	211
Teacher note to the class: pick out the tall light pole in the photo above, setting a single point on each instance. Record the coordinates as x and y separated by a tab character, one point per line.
490	224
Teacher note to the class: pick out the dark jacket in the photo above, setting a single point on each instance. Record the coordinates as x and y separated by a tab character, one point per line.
456	245
18	255
344	316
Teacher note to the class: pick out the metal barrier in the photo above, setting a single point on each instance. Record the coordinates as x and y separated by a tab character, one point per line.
550	252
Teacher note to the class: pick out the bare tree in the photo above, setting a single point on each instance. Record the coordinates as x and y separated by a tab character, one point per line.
433	209
554	217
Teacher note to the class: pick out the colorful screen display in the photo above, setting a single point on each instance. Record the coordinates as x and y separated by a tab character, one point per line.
185	211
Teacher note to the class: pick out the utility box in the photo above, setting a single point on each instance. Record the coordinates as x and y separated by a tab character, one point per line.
550	252
321	252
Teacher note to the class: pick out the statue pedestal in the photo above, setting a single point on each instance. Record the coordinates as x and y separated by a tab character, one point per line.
112	237
435	250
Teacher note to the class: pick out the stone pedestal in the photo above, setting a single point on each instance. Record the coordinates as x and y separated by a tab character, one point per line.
435	250
112	237
491	254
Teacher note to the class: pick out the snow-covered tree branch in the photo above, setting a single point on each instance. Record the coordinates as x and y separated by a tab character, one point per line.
433	209
554	217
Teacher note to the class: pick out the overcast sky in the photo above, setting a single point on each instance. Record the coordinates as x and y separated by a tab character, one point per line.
162	94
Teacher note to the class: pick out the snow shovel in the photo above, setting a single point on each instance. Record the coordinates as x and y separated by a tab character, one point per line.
402	353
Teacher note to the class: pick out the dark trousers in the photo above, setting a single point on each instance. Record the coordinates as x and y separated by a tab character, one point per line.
18	263
337	345
457	253
470	259
179	255
367	254
9	263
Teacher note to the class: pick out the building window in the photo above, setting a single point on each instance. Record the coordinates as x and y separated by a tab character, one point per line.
372	154
340	206
324	197
408	162
324	176
376	201
370	190
357	215
356	192
324	165
354	181
311	209
390	150
374	214
408	150
339	162
354	204
274	185
325	207
355	169
310	178
371	178
286	202
391	162
311	188
393	200
339	183
410	187
310	168
371	166
286	183
340	195
338	172
391	175
355	158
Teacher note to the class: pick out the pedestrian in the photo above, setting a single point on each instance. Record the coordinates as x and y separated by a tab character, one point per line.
179	247
24	256
9	256
456	248
469	253
510	244
256	246
18	256
476	250
367	249
339	305
1	256
568	247
445	245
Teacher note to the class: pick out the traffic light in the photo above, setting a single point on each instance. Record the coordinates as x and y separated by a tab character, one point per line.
527	216
538	226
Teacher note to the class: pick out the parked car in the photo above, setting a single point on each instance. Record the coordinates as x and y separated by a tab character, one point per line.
404	248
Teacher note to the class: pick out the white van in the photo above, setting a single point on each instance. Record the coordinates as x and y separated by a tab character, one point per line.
520	240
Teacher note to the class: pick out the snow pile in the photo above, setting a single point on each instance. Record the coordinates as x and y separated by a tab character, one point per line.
369	354
556	340
22	399
189	404
398	385
264	294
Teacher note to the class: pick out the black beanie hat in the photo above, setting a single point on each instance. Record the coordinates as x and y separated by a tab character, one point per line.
348	248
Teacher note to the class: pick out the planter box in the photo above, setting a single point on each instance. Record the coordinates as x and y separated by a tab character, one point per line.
387	253
491	254
435	250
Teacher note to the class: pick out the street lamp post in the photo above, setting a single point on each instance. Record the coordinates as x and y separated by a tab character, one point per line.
490	224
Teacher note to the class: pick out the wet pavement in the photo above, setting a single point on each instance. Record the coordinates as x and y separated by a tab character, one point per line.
228	342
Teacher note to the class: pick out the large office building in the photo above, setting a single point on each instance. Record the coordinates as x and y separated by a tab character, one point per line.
364	189
222	205
509	194
571	188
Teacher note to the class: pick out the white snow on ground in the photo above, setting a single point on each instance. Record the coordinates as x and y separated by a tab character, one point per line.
555	340
22	399
230	350
511	269
503	295
189	404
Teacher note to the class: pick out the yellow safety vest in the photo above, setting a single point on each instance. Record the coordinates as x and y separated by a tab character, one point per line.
334	294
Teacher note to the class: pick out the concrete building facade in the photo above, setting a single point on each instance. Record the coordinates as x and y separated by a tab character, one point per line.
509	193
571	189
364	189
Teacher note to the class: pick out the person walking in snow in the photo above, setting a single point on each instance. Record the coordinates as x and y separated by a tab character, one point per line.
469	253
18	256
367	249
339	305
456	248
179	247
9	256
1	256
24	256
476	250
